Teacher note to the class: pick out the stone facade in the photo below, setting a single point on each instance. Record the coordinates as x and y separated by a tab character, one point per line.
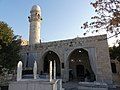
96	46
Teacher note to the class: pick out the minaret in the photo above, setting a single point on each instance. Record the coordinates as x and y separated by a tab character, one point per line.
35	25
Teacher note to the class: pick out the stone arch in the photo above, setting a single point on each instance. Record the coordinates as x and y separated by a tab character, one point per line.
45	51
50	55
80	65
71	50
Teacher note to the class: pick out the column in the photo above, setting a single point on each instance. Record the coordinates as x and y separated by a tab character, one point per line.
54	69
50	71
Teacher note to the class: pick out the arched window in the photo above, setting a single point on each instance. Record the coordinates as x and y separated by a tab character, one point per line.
113	66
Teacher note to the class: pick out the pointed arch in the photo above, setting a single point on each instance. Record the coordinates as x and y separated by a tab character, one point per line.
79	65
51	56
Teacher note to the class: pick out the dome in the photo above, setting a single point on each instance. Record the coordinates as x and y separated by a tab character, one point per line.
36	7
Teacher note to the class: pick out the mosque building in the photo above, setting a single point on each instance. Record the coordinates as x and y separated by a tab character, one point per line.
76	59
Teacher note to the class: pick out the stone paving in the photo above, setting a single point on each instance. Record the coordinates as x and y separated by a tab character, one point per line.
74	86
70	85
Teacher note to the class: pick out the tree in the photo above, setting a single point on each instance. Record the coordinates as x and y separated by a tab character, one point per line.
107	18
9	47
115	52
6	33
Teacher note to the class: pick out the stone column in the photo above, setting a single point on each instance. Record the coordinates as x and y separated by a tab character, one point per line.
50	72
35	70
54	69
66	68
19	71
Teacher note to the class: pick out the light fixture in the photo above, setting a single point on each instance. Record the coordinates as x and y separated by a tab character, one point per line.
79	51
49	52
79	60
72	60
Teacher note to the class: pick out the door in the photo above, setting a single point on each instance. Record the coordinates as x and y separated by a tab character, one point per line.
80	72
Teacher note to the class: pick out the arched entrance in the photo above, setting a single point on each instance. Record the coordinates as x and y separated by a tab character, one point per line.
79	66
51	56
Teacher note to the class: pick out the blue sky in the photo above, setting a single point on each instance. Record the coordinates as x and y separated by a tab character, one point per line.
62	19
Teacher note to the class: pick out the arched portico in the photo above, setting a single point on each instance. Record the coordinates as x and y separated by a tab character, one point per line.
51	56
80	66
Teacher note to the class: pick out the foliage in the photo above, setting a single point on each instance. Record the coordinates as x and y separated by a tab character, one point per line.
107	18
9	47
115	52
4	77
6	33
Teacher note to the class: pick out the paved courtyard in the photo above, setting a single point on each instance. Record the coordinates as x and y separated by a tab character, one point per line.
74	84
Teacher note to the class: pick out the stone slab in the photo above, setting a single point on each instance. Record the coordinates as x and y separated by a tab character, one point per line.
32	85
92	86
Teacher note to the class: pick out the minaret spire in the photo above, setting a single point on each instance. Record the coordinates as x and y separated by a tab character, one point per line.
35	25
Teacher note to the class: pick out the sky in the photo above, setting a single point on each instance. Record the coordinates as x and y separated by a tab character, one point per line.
62	19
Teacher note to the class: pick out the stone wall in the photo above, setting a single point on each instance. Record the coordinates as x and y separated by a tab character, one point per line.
35	85
96	46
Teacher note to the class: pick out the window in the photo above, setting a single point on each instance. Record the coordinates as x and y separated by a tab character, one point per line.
113	66
62	65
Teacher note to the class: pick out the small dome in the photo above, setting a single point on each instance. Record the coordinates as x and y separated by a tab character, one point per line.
36	7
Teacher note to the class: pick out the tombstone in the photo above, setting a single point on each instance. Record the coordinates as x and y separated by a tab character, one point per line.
35	70
19	71
50	71
35	84
54	69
